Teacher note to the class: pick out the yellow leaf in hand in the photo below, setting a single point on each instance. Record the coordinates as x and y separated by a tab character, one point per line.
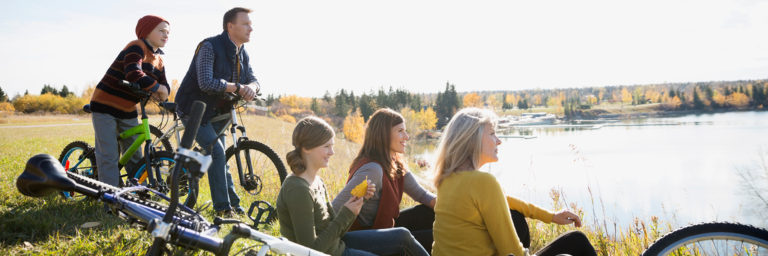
360	189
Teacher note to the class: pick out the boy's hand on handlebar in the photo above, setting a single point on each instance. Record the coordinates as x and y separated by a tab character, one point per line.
566	217
161	94
354	204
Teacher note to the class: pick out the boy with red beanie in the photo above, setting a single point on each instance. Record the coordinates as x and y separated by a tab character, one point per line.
114	107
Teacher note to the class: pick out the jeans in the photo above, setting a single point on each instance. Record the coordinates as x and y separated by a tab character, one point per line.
106	129
219	179
389	241
418	220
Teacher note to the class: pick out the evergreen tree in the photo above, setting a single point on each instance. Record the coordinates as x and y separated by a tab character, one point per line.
342	106
523	104
314	106
64	92
3	96
270	99
698	104
26	92
367	106
327	97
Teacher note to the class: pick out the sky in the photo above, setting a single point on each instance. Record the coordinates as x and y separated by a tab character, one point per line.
310	47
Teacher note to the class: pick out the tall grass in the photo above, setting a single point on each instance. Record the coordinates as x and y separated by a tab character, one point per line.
53	226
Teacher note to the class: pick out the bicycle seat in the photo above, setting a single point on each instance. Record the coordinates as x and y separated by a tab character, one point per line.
170	106
43	175
87	108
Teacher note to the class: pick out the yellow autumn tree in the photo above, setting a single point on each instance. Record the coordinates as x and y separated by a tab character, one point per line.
6	107
354	127
472	100
418	122
591	99
737	99
626	97
718	98
494	100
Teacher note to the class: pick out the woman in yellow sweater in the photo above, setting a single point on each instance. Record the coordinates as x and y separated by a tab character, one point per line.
472	213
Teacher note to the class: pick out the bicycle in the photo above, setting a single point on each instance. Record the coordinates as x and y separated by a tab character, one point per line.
185	229
84	158
258	156
713	238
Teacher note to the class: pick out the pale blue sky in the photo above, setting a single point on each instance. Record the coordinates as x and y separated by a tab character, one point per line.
308	47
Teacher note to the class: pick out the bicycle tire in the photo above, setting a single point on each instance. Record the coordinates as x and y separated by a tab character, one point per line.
718	235
263	170
165	160
84	164
156	134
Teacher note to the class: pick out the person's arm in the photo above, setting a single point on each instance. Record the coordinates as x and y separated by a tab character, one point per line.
374	173
204	68
302	214
529	210
489	199
133	57
419	194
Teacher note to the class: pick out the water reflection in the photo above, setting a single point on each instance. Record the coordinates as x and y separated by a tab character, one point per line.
681	169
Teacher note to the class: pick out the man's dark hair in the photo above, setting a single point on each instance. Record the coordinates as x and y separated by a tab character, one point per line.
229	16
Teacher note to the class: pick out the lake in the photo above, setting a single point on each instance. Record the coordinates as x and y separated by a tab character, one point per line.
683	170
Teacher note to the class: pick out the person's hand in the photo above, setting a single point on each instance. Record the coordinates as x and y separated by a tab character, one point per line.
354	204
247	92
566	217
161	94
371	190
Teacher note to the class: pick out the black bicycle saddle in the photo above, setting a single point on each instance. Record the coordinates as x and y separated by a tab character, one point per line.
43	175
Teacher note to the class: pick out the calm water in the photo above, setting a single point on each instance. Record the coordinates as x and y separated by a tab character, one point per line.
682	169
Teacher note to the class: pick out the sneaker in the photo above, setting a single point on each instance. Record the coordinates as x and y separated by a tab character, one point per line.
239	210
225	214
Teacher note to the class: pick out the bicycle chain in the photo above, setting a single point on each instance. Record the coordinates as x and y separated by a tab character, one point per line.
103	187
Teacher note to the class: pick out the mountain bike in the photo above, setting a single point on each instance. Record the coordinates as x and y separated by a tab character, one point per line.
258	166
80	158
181	228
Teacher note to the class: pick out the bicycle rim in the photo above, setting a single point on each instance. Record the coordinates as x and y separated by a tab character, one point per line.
74	158
268	170
164	161
712	239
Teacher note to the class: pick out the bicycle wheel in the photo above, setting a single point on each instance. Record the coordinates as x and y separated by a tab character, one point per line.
78	157
268	169
164	144
716	238
164	162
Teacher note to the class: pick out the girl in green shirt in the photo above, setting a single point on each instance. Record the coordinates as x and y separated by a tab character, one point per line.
305	212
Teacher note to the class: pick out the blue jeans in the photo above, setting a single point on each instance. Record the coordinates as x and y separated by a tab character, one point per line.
387	241
219	179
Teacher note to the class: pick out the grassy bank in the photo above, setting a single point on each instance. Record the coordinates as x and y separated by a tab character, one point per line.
53	226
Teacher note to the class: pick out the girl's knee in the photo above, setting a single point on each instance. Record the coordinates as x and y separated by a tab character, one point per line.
402	233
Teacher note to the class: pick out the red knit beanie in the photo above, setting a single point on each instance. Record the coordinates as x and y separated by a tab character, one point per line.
146	24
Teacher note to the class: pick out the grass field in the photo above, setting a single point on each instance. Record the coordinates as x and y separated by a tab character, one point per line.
53	226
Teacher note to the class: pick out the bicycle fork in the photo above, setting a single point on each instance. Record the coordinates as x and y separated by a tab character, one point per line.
246	180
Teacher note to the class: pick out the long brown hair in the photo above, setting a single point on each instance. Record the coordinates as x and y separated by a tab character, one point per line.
310	132
378	138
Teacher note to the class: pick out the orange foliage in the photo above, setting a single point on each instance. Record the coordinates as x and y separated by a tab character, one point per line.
472	100
737	99
354	129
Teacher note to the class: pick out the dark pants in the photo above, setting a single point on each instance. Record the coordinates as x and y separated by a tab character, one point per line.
419	220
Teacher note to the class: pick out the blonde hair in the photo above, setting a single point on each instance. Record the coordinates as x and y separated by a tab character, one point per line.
461	142
310	132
